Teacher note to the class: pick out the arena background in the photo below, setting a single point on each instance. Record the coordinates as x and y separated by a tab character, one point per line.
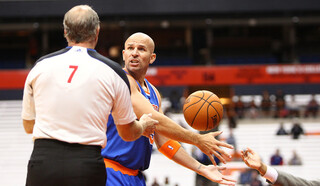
233	48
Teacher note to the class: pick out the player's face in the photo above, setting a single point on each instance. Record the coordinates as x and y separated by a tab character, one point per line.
138	54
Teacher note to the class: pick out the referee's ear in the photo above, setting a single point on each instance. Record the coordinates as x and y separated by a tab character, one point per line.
65	33
97	33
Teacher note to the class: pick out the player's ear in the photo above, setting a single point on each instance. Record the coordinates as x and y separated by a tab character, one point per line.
152	58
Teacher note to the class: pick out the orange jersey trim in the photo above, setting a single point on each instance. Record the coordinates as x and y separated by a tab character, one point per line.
170	148
118	167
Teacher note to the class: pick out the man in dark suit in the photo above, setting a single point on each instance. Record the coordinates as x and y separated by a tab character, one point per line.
273	176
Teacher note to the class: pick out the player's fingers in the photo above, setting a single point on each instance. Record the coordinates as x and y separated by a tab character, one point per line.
156	122
227	182
227	178
218	180
223	153
219	157
222	167
212	160
147	116
223	144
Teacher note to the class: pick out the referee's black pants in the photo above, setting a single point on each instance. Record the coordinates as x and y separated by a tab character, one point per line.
57	163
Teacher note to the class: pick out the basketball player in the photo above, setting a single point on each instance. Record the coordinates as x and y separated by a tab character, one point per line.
68	96
125	160
273	176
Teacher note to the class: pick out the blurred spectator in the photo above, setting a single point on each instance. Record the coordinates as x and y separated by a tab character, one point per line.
296	129
181	102
175	101
155	182
281	111
232	141
245	177
165	105
231	115
293	107
265	104
276	159
255	181
295	159
281	130
166	181
239	108
280	95
312	107
253	109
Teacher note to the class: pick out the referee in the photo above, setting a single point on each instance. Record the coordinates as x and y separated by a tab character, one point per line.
67	98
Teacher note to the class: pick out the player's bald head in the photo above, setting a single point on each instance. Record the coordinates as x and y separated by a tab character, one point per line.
142	38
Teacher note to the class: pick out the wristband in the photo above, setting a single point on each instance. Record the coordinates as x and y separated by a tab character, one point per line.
170	148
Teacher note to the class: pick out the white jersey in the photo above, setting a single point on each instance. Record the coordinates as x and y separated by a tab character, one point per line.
70	94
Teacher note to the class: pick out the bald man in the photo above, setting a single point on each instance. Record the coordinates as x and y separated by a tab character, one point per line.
125	160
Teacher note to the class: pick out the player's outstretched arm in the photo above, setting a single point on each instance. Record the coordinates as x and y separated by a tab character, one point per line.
207	143
180	156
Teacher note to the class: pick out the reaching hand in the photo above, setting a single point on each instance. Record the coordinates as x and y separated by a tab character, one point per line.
213	173
251	158
209	145
148	124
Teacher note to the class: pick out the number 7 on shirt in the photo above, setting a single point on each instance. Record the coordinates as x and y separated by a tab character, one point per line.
75	68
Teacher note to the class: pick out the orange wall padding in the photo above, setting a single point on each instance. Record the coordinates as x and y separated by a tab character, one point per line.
12	79
234	75
205	75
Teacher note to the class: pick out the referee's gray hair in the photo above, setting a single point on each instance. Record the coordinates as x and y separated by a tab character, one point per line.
81	23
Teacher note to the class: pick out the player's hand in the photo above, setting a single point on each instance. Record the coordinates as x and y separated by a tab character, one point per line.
213	173
251	158
148	124
209	145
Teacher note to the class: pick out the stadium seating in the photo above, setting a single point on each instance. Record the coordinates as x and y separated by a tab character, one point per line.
15	145
259	134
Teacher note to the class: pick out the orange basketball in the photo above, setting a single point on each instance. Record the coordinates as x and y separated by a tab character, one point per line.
203	110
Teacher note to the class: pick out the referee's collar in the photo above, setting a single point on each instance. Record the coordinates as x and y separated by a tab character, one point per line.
69	47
